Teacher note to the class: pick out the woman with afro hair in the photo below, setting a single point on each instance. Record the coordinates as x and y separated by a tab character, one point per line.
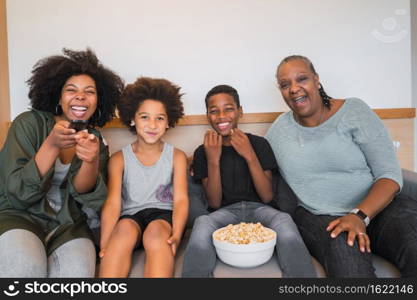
53	175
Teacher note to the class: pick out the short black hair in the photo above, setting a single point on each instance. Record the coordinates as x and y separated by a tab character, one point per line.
50	74
145	88
223	89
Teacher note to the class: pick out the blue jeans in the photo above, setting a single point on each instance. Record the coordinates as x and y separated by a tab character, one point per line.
393	235
22	254
200	254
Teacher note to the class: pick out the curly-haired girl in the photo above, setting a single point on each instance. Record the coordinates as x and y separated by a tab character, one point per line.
52	179
148	199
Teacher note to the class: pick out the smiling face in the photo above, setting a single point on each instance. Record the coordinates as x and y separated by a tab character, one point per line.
223	113
299	87
151	121
78	98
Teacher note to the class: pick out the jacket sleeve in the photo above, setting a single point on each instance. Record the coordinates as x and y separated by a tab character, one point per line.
23	184
96	197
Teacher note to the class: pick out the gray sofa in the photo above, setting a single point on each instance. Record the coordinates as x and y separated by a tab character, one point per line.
285	201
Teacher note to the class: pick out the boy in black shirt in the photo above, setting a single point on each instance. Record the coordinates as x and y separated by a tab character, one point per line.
236	169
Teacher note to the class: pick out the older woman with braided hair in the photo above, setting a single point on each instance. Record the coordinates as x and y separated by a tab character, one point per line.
53	177
339	160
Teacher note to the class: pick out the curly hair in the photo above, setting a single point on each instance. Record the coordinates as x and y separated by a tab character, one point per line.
145	88
223	89
325	98
50	74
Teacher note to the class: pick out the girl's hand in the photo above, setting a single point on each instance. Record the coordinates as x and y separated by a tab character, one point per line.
102	252
61	136
356	229
174	242
88	147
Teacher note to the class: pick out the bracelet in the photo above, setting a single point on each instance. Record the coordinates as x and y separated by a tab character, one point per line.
361	214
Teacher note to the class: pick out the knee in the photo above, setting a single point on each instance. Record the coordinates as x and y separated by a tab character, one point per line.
80	249
338	247
155	236
203	221
283	223
126	229
202	230
75	258
23	254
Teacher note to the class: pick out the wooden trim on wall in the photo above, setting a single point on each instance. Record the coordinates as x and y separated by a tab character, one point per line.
396	113
269	117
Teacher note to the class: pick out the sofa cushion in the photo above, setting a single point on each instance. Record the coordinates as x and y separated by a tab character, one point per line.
197	201
270	269
410	184
284	197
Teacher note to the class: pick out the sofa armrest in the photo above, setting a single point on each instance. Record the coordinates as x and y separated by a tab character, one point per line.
410	184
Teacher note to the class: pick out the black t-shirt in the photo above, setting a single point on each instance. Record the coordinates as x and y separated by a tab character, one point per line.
237	183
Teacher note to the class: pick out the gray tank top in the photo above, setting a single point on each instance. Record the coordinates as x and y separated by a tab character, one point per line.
147	186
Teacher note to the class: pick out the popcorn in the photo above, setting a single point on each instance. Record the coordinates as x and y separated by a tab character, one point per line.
244	233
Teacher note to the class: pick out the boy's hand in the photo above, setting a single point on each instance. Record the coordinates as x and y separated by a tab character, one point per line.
241	144
213	146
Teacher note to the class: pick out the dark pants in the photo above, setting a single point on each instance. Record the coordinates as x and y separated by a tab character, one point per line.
393	235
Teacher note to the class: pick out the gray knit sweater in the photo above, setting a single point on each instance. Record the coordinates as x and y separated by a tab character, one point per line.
331	167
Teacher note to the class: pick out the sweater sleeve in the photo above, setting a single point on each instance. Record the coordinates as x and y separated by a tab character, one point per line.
23	183
374	141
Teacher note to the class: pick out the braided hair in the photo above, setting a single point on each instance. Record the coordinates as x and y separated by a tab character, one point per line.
325	98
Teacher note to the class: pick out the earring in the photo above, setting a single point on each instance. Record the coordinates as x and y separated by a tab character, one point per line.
99	113
57	109
132	123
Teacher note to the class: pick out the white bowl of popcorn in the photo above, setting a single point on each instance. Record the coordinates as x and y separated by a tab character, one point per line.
244	245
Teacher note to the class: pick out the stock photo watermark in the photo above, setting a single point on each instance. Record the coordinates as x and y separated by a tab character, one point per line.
68	288
391	31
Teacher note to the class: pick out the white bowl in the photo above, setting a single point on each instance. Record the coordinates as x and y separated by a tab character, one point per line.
245	255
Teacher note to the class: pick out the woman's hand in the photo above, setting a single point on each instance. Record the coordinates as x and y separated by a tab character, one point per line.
87	148
213	146
356	229
62	136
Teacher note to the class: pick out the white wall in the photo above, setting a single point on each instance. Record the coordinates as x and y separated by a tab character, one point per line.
198	44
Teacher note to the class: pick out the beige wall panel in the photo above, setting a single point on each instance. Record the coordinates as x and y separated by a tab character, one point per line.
189	137
402	130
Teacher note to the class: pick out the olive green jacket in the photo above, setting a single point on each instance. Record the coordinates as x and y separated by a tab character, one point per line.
23	202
